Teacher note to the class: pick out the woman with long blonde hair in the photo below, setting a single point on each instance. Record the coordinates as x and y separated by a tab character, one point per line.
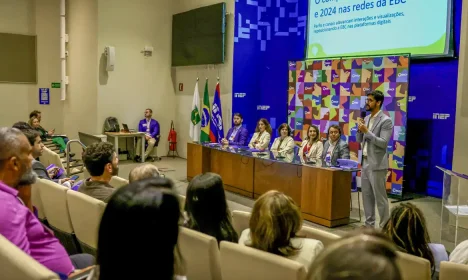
273	228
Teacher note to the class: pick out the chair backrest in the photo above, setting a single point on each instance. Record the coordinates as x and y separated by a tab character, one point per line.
240	262
201	255
118	182
412	267
85	213
54	201
17	265
37	202
240	221
453	271
327	238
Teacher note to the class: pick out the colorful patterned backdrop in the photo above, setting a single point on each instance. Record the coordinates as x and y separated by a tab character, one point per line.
333	91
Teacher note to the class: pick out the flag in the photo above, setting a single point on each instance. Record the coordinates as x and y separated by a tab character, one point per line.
195	116
205	120
216	124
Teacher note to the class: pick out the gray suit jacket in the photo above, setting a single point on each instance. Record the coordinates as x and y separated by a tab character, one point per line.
377	140
341	151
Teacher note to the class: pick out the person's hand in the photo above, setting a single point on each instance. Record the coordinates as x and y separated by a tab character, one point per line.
78	271
52	131
147	137
362	127
65	180
52	172
224	141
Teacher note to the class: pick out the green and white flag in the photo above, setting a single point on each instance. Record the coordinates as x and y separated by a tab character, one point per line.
195	116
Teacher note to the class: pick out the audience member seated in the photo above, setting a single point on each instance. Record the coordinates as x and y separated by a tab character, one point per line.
261	138
206	208
407	229
274	223
17	223
138	233
143	172
460	253
58	140
102	163
284	143
311	148
40	170
360	257
335	148
151	128
237	135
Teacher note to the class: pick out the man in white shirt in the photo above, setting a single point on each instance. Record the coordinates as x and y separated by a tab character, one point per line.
374	133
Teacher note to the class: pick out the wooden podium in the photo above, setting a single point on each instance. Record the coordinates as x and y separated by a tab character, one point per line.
322	193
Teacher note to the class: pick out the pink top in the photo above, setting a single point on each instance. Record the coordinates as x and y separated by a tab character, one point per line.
22	228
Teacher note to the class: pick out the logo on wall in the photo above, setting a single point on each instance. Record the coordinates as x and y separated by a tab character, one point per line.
240	94
263	107
440	116
411	98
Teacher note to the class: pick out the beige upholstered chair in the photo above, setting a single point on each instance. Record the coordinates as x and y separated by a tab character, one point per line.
453	271
17	265
37	202
201	255
240	262
240	221
118	182
412	267
54	201
85	213
327	238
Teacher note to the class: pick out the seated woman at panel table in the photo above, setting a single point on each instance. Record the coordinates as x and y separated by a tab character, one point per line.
335	148
284	143
261	138
311	148
273	226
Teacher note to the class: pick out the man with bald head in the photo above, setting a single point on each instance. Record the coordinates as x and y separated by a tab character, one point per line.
17	223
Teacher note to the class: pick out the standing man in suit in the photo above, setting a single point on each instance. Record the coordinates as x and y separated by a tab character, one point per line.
150	127
335	148
374	133
237	135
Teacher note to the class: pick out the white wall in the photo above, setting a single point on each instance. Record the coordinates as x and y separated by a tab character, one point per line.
16	16
187	76
138	82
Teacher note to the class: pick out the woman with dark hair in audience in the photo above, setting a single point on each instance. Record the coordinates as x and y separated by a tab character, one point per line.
261	138
138	233
365	256
311	148
206	208
273	228
407	229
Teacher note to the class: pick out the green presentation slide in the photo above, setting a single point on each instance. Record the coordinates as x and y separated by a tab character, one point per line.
377	27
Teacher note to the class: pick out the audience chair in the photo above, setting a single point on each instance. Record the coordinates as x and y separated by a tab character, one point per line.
240	262
240	221
201	255
17	265
327	238
37	202
412	267
54	201
118	182
85	213
453	271
182	203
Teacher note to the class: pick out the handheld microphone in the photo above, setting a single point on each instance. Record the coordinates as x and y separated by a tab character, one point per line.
363	114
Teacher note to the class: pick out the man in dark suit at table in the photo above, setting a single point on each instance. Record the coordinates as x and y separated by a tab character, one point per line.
237	135
375	131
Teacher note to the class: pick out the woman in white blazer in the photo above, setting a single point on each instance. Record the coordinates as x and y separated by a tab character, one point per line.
284	143
311	147
261	138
